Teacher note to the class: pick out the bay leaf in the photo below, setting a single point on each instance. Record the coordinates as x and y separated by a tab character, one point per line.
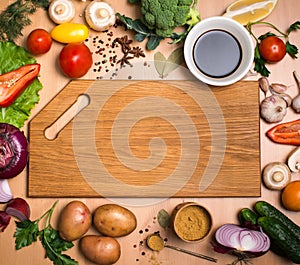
163	218
164	66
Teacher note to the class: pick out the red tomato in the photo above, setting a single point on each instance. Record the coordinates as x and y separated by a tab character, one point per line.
272	49
39	41
75	59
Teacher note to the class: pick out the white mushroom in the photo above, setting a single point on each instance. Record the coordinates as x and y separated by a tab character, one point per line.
294	160
100	15
276	175
61	11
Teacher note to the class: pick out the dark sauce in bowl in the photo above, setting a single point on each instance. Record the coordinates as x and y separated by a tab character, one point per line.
217	53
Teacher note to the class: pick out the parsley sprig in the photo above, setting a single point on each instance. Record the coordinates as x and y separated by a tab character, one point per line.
292	50
28	232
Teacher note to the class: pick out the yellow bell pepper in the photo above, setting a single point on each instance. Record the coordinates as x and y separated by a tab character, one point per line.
70	32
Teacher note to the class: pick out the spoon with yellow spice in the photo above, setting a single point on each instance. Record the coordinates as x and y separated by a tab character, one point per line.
156	243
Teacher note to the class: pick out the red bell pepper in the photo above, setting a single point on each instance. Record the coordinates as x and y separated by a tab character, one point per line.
286	133
13	83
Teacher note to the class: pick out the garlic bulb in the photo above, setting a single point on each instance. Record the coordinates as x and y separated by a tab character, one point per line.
273	109
61	11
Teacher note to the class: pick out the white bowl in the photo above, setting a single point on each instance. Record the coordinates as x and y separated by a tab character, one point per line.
224	40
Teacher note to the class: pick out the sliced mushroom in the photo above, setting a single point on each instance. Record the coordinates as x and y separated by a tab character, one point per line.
294	160
100	15
276	175
61	11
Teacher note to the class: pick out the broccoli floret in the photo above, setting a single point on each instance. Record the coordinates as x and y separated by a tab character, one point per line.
163	16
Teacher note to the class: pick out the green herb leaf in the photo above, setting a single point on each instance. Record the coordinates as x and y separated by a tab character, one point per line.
259	63
134	1
26	233
295	26
291	49
164	66
16	16
11	58
268	34
163	218
54	245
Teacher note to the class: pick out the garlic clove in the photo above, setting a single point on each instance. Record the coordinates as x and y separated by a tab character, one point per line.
288	99
264	84
61	11
296	100
278	88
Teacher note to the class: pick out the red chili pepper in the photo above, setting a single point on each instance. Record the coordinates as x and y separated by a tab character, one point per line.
286	133
13	83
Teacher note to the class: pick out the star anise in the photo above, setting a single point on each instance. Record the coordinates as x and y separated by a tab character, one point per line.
125	60
137	52
125	43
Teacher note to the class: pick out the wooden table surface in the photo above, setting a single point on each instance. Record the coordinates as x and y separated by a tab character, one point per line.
224	210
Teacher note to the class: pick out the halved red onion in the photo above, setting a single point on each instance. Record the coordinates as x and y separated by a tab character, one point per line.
14	149
18	208
5	191
4	220
237	240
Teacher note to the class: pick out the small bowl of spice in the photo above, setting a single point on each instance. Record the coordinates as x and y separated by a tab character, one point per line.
191	221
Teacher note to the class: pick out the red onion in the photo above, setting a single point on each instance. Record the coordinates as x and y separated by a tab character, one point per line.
4	220
240	241
14	151
18	208
5	192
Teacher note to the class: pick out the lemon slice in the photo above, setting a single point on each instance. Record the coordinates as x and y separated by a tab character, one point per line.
245	11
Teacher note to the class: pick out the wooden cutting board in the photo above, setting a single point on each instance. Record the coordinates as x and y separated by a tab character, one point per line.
146	139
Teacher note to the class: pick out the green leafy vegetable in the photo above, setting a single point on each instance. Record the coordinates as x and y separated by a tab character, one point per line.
16	16
164	66
28	231
292	50
11	58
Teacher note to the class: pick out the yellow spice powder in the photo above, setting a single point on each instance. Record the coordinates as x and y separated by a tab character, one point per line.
192	223
155	242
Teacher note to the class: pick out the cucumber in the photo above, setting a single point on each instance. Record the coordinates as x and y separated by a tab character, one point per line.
264	208
247	216
282	236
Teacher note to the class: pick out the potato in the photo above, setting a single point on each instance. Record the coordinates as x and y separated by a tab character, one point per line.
114	220
101	250
74	221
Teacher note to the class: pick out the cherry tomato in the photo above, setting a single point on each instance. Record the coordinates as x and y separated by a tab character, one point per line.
75	59
272	49
39	41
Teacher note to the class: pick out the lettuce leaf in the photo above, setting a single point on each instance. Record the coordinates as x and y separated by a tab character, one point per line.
11	58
